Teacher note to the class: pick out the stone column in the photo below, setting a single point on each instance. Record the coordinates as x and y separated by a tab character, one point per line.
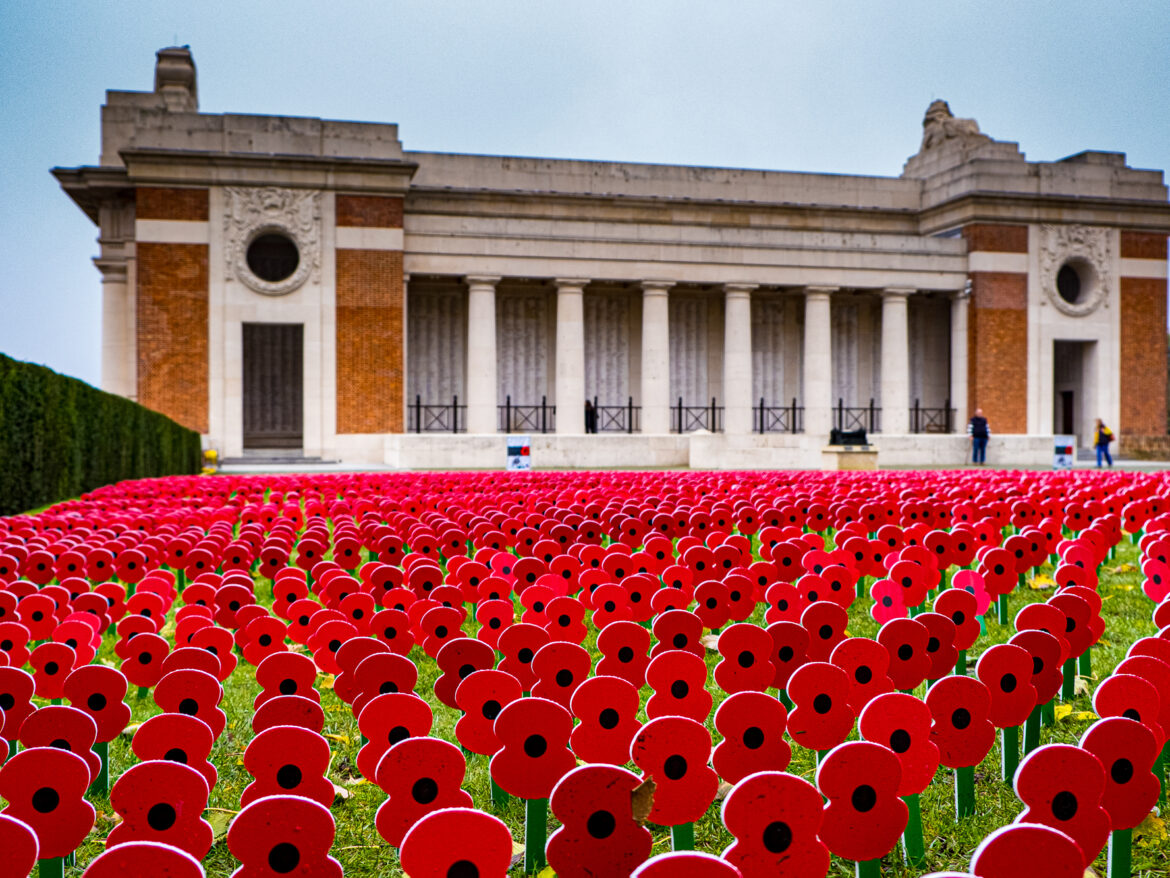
570	377
656	356
481	354
895	362
959	304
119	359
737	358
818	363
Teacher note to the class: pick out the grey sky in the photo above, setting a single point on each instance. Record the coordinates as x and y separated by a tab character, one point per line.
812	86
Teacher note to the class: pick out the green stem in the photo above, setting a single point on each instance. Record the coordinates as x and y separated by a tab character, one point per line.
143	691
56	702
785	700
982	626
961	664
1085	663
682	837
1069	687
1048	713
869	869
101	785
821	754
535	834
1120	850
13	748
964	791
912	845
52	867
499	797
1010	746
1032	731
1002	608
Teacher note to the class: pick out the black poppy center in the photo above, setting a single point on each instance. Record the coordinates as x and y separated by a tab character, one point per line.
777	837
283	858
863	798
601	824
753	738
1064	805
674	767
288	777
161	817
425	790
608	719
535	746
822	704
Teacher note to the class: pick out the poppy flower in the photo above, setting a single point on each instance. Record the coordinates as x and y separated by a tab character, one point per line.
752	725
51	663
16	691
457	841
1062	787
1126	750
481	696
678	629
65	727
519	644
277	834
960	606
14	639
1046	664
607	708
1024	849
775	818
494	617
866	663
457	659
1006	671
418	776
392	627
825	623
821	716
673	751
907	642
864	817
37	613
193	693
45	788
161	802
679	682
784	603
789	650
623	646
535	753
598	833
289	710
746	663
902	723
940	646
176	737
286	673
1132	697
960	707
218	642
386	720
263	637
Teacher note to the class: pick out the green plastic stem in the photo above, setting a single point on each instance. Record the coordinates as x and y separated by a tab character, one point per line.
1120	853
1010	746
499	797
964	792
143	691
1085	663
1160	773
1048	713
961	664
1032	731
682	837
13	748
52	867
912	846
821	754
1002	608
535	834
101	785
869	869
1069	686
785	700
982	626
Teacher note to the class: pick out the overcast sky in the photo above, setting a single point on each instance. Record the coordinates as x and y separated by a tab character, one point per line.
837	87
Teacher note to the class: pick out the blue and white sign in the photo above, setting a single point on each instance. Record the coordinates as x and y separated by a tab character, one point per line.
519	454
1064	452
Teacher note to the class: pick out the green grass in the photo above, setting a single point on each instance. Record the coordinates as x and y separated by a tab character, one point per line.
362	852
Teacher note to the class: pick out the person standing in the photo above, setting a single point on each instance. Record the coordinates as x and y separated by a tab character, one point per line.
590	417
978	432
1102	436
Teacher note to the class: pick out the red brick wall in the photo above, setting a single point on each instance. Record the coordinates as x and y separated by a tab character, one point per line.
1143	355
1142	245
370	211
171	204
172	331
369	341
996	238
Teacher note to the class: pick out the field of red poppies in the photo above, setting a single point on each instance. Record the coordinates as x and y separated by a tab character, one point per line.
648	673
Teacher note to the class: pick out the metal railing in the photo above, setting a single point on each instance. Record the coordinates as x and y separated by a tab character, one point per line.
436	418
868	418
686	418
932	420
618	418
540	418
778	418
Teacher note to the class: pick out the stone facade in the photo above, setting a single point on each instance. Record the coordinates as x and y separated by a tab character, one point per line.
718	316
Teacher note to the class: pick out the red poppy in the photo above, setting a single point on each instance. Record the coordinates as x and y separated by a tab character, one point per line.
419	776
1062	787
37	613
784	603
789	650
679	682
825	623
175	737
288	760
190	657
673	751
457	659
907	642
971	581
385	721
598	834
1078	630
193	693
866	663
1025	849
1046	664
77	635
623	646
161	802
18	840
1127	751
960	606
912	579
864	817
481	696
686	864
16	691
821	717
678	629
494	617
713	604
775	818
457	842
14	638
392	627
218	642
1154	671
608	710
902	723
65	727
1132	697
564	620
746	664
941	644
535	753
286	673
45	788
289	710
1006	671
51	663
519	645
752	725
960	707
277	834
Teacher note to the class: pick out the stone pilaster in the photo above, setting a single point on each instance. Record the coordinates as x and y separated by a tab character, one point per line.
481	354
959	304
737	358
656	356
895	362
570	375
818	362
118	330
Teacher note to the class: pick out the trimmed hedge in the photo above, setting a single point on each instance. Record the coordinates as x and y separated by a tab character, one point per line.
60	437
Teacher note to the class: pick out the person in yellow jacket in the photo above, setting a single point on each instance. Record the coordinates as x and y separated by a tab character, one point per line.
1102	436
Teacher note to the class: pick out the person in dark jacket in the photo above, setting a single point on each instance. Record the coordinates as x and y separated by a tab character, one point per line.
590	417
1102	436
978	432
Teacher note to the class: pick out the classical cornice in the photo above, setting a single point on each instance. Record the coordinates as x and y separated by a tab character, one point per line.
1014	207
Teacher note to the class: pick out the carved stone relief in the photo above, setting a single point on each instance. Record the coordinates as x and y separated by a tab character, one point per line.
1086	248
251	212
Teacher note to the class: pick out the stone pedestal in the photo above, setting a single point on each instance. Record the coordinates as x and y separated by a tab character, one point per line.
849	457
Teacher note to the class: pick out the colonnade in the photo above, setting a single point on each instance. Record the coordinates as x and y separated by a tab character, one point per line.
817	390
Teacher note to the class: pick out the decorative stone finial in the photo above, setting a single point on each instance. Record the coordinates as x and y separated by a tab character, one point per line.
174	79
940	125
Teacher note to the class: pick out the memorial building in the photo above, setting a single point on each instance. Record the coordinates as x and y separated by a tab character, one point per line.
309	285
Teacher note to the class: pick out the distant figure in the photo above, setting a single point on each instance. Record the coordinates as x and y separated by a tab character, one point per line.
590	417
1102	436
979	433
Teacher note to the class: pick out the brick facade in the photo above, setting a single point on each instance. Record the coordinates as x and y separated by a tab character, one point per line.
369	211
171	204
1143	356
1141	245
996	238
172	331
997	349
370	366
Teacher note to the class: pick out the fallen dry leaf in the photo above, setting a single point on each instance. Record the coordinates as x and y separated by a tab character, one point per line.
220	820
1062	711
340	792
710	641
341	739
1150	831
327	681
642	800
1080	686
724	789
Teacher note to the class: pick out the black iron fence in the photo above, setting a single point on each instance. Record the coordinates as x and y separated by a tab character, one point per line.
867	418
778	418
686	418
932	420
618	418
431	418
540	418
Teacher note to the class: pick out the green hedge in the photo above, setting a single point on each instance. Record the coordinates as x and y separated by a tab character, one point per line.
60	437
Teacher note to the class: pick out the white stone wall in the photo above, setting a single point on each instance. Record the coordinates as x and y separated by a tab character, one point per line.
525	339
930	350
777	333
436	344
857	349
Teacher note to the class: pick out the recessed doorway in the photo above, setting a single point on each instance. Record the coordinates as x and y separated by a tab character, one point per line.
273	385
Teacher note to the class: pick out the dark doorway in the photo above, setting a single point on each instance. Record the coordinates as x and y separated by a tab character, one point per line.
273	385
1067	427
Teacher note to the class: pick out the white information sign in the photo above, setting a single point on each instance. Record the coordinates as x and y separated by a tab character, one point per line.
1064	452
518	453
